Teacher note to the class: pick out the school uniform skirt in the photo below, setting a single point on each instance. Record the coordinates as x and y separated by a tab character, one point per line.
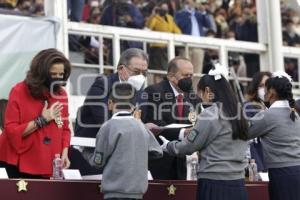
284	183
209	189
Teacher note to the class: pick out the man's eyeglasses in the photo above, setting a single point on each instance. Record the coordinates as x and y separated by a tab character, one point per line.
137	71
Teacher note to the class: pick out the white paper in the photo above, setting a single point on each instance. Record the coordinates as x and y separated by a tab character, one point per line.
71	174
99	177
3	173
264	176
95	177
178	125
150	178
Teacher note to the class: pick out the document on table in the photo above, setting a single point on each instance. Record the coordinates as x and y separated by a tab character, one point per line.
178	126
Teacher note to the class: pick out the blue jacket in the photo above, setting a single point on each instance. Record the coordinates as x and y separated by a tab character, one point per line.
109	16
183	20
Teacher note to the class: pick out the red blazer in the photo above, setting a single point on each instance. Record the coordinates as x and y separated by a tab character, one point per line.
30	153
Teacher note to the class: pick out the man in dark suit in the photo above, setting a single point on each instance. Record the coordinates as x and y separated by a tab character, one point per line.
171	101
132	67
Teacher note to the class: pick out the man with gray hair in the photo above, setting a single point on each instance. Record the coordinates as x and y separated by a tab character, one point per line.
132	68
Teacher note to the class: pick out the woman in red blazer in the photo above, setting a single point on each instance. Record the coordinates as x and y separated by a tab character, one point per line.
36	119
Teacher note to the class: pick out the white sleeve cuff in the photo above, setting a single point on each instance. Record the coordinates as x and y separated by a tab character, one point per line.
181	134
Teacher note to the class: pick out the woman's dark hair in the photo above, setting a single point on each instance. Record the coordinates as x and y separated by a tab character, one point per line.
283	88
224	96
39	72
3	104
252	90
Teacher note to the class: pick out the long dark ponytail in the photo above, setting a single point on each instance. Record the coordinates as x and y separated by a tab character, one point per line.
283	88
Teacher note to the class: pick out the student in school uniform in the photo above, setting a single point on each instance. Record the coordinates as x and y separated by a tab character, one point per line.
122	146
278	128
219	136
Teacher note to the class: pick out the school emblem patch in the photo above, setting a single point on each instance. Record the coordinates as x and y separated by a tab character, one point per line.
98	158
192	135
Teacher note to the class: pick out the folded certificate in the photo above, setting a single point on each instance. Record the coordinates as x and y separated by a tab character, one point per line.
178	126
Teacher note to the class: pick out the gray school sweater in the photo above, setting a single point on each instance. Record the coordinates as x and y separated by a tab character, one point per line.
280	136
222	158
122	147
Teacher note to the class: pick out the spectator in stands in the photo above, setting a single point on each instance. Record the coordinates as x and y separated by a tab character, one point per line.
3	104
132	67
36	120
235	9
236	61
192	22
221	142
88	6
290	66
296	21
91	44
221	22
253	105
10	4
289	35
24	6
160	20
279	128
122	147
123	13
75	8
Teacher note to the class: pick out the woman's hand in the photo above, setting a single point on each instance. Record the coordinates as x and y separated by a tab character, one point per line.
53	112
65	158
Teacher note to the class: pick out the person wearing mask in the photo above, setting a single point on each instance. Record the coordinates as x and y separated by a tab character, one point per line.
122	13
3	104
220	137
193	22
278	127
161	21
36	119
171	101
253	105
132	68
289	36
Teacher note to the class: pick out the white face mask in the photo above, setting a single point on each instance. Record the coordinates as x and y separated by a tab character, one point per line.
261	93
296	19
137	81
94	4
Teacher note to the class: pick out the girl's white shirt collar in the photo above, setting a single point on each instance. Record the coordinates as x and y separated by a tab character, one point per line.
280	104
115	116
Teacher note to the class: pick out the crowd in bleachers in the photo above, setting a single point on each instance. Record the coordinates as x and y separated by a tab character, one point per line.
23	7
228	19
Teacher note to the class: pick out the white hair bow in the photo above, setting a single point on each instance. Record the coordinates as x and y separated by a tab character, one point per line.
218	71
281	74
